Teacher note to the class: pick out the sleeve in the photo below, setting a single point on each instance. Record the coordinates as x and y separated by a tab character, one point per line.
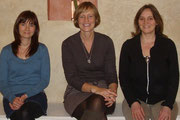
44	73
110	64
173	82
70	70
4	87
124	75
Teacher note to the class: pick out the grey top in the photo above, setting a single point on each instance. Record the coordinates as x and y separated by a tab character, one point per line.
76	68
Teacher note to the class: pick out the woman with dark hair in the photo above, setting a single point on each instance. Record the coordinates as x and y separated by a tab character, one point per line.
148	71
24	71
89	66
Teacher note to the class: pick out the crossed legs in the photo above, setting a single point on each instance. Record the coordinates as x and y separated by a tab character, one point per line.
93	108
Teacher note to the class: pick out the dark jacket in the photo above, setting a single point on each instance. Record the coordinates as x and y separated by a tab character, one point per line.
163	72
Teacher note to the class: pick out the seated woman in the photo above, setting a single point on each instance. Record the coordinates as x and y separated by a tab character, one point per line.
148	71
89	66
24	71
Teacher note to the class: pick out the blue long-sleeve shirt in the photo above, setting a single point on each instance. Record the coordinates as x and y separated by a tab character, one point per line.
29	76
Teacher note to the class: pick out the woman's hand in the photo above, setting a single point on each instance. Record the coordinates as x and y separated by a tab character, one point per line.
97	90
137	111
16	104
165	113
13	107
111	99
24	97
108	94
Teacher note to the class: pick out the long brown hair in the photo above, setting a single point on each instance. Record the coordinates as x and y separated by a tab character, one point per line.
22	18
160	25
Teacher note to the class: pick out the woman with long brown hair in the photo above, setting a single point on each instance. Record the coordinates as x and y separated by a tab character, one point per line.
148	69
25	71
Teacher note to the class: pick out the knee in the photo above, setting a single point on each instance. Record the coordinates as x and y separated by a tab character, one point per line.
21	115
96	103
25	115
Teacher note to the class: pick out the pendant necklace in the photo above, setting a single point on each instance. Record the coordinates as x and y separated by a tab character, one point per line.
88	57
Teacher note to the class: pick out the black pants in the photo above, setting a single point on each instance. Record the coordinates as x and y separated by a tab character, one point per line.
28	111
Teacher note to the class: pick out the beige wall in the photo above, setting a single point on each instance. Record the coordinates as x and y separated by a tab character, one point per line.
117	22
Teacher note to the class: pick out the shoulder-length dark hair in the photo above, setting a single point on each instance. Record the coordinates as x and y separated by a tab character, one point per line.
22	18
160	25
83	7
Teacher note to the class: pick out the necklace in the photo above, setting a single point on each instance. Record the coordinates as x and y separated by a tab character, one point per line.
88	57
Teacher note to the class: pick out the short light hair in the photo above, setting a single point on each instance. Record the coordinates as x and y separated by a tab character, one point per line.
83	7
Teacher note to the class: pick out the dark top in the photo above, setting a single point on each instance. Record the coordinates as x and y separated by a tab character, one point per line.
163	72
76	68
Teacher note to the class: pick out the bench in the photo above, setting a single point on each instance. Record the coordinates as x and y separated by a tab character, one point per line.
56	111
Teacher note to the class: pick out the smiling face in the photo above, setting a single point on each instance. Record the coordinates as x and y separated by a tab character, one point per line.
147	22
26	29
86	21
